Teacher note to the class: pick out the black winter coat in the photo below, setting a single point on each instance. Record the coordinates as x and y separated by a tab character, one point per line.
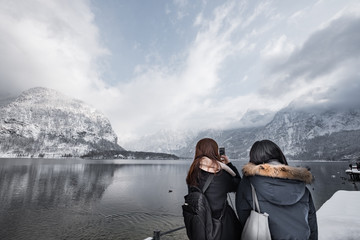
282	193
216	195
221	184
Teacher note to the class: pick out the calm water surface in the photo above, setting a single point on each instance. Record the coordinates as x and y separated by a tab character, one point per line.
112	199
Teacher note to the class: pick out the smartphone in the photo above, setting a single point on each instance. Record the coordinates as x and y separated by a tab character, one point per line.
222	151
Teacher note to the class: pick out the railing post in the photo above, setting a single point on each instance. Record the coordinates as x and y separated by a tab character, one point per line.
156	235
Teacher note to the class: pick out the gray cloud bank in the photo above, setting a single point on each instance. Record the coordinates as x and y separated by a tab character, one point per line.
330	58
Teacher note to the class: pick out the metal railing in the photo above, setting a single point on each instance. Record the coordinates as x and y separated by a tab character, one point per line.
158	234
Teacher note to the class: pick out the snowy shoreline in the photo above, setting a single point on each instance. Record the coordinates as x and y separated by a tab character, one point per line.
339	217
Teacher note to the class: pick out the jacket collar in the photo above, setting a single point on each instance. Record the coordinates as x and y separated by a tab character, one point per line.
208	163
278	171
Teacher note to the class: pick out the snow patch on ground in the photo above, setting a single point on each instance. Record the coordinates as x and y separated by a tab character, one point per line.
339	217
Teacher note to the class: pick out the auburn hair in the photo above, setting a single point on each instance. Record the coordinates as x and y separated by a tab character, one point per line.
206	147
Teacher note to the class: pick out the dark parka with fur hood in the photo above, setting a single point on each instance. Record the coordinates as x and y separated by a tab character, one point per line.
282	193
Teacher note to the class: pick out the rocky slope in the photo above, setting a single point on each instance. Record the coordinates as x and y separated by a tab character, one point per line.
320	134
44	123
328	133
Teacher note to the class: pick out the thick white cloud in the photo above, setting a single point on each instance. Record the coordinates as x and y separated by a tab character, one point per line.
277	48
179	96
48	43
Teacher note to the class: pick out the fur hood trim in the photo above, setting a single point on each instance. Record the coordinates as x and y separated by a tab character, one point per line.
278	171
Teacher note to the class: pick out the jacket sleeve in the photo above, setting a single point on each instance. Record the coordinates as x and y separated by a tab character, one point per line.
243	207
236	179
312	220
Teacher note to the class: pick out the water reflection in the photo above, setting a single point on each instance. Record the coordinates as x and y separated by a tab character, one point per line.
51	185
46	201
142	188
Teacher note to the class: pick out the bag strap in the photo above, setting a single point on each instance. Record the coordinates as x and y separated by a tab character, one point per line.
255	199
207	183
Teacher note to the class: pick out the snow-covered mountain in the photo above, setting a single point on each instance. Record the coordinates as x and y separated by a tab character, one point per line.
43	122
293	129
301	133
167	141
255	118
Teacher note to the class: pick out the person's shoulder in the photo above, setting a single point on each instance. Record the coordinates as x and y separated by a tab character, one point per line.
208	165
245	182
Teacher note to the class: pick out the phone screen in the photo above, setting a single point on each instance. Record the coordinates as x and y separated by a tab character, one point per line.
222	151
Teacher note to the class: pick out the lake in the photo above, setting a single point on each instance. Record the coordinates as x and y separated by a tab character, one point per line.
113	199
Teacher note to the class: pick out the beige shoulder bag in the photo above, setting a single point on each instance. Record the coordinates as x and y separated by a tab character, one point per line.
257	224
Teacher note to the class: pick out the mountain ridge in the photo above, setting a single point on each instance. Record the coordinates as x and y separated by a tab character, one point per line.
302	133
42	122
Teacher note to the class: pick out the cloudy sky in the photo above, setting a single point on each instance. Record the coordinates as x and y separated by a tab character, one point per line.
183	64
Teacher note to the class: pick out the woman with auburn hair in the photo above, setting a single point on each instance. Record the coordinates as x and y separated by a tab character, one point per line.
225	179
281	191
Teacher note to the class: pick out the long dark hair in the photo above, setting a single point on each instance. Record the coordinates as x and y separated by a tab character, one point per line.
206	147
265	151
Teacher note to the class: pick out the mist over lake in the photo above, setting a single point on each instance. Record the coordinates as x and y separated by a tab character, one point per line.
113	199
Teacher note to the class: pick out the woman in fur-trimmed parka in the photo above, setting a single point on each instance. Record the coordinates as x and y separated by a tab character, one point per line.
281	191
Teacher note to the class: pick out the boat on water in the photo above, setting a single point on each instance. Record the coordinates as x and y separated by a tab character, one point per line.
354	171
